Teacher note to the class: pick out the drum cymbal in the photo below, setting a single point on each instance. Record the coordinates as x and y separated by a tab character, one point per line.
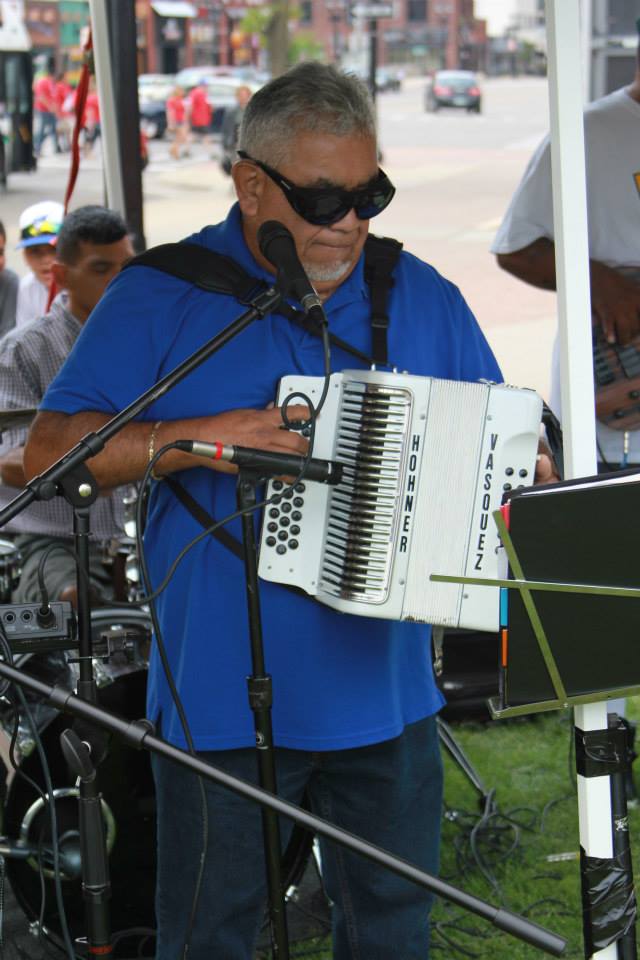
16	418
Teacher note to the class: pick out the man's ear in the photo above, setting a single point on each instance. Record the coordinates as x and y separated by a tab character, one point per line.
59	271
248	180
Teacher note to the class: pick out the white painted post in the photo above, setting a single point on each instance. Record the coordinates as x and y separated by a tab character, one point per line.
576	365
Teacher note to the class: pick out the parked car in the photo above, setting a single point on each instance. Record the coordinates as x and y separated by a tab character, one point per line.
153	90
387	79
191	76
454	88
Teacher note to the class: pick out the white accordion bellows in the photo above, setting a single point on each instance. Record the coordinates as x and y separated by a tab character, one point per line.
425	463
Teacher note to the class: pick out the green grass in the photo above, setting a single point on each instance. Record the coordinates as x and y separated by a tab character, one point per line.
529	764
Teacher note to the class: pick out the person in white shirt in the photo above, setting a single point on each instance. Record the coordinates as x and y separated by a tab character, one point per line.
524	246
39	226
524	243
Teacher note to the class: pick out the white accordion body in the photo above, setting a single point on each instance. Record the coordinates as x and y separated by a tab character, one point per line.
425	464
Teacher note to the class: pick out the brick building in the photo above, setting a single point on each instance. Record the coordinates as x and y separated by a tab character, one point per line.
173	34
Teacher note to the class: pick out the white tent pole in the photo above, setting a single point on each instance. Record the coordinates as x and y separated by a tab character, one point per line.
576	364
587	54
109	136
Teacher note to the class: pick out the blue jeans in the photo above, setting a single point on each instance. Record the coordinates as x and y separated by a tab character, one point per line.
47	126
389	793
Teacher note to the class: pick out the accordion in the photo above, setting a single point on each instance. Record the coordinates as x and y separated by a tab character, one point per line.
425	463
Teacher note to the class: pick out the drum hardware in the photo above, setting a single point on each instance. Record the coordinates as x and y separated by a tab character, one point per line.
128	803
29	818
10	569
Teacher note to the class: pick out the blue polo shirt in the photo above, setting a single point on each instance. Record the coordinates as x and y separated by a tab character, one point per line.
338	680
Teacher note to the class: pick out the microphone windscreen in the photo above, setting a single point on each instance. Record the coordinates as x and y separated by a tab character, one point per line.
269	233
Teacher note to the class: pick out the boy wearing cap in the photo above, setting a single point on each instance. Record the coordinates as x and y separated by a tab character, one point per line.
39	225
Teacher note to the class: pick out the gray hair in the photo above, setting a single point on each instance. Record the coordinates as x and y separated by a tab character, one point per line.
310	98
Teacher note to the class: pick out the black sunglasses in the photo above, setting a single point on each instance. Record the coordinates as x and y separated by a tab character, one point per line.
323	206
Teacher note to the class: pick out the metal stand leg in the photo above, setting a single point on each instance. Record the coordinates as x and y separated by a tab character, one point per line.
260	699
455	751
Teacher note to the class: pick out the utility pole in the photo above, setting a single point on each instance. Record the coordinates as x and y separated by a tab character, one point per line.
373	12
121	46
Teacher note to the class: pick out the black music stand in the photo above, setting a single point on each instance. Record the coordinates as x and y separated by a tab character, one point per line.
557	651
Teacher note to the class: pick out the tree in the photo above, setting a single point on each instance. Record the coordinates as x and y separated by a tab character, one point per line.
271	24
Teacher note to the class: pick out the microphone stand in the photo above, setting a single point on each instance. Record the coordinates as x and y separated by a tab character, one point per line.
260	700
139	734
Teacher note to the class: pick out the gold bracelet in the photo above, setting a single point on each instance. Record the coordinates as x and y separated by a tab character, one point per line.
151	450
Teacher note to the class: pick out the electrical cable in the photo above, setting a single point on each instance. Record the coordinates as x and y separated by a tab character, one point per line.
483	843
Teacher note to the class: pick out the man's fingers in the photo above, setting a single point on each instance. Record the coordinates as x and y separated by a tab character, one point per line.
608	328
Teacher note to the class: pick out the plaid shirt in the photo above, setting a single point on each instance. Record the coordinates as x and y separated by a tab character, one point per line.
30	357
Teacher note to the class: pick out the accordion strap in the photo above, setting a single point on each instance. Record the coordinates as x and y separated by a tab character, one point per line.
215	273
383	253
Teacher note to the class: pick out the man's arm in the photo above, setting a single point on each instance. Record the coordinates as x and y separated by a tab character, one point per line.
12	467
126	455
615	297
534	264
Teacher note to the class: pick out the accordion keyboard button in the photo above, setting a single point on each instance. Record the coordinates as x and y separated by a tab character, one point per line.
281	548
270	541
293	544
298	502
274	512
286	508
294	530
296	515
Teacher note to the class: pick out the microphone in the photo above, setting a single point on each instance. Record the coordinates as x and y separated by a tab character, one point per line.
271	464
278	247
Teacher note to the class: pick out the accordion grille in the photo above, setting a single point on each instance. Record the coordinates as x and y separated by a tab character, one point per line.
371	440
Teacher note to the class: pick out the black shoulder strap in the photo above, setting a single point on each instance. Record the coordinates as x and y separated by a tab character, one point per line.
216	273
203	268
380	258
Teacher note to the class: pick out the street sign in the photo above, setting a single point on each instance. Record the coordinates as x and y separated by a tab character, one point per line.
373	11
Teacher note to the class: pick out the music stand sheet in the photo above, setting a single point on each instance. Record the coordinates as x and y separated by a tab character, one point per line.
576	532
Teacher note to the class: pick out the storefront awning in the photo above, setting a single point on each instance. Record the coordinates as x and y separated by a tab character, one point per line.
173	8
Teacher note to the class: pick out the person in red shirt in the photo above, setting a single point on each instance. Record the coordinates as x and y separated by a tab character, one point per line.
200	112
92	120
177	124
44	107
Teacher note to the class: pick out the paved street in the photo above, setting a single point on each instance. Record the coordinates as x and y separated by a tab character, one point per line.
455	173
